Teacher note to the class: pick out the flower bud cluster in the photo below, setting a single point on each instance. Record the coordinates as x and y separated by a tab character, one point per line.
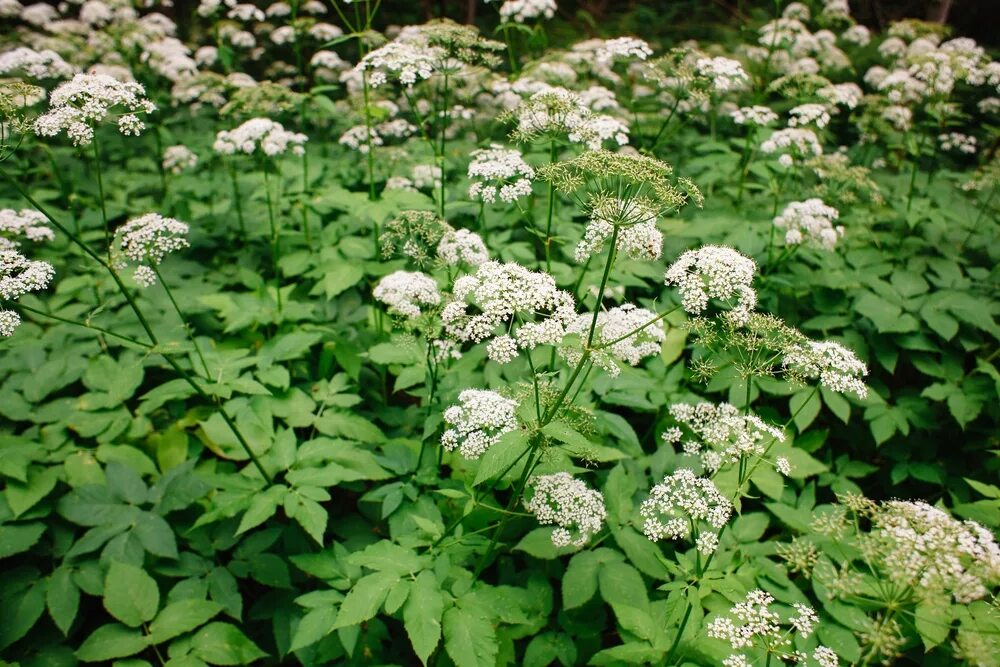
179	158
680	501
837	367
18	276
459	246
638	236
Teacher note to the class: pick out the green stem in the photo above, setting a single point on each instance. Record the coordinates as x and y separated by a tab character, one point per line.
187	327
551	211
445	115
238	202
604	282
275	248
159	164
85	325
100	194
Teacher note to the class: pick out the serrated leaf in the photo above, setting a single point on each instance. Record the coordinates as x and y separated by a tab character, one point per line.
224	644
469	638
621	584
130	595
422	615
933	620
111	641
62	596
180	617
509	451
314	626
365	598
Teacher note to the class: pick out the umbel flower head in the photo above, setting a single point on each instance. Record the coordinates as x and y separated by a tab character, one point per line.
412	234
722	433
501	172
681	505
635	221
18	276
259	134
568	503
715	272
477	422
532	309
556	114
612	330
837	367
75	106
460	246
753	624
26	223
179	158
459	43
810	221
147	240
405	292
520	11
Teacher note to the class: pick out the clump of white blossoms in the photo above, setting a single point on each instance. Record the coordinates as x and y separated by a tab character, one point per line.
462	246
477	422
44	64
520	11
77	105
577	510
28	223
612	330
756	115
837	367
791	144
147	240
502	174
677	505
622	48
715	272
722	433
756	626
635	220
405	292
405	61
810	221
555	114
179	158
915	545
263	134
534	311
725	74
809	114
18	276
956	141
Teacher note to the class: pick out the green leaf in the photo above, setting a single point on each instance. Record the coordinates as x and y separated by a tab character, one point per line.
469	638
314	626
621	584
805	406
111	641
422	615
180	617
155	535
23	496
394	353
224	644
18	538
538	543
337	278
130	595
365	598
307	513
352	427
933	621
386	556
511	448
62	598
580	579
262	507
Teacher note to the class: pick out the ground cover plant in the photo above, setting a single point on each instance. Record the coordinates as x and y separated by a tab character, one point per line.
332	341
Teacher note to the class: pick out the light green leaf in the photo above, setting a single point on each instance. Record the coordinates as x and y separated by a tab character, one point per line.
130	595
933	621
314	626
365	598
469	638
511	448
422	615
111	641
23	496
18	538
621	584
180	617
62	598
224	644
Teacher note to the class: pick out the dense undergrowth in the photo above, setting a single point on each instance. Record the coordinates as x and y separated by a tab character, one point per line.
330	346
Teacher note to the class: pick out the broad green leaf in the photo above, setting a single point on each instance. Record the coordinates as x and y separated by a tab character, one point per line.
314	626
17	538
422	615
62	596
23	496
469	638
224	644
506	454
805	406
155	535
621	584
111	641
262	507
933	621
20	612
307	513
130	595
180	617
385	556
580	579
365	598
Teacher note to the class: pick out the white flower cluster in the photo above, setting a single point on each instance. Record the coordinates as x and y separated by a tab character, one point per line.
756	115
900	117
857	34
259	133
725	74
477	422
638	236
404	292
44	64
756	624
557	111
405	61
956	141
503	294
147	240
623	48
612	329
170	58
723	434
809	114
179	158
28	223
523	10
577	510
679	502
837	367
917	545
791	143
18	276
355	137
714	272
810	221
86	99
462	246
503	173
845	94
